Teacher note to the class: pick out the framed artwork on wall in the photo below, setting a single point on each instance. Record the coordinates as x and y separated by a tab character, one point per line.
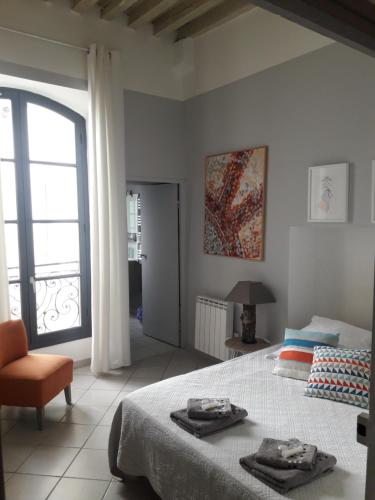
328	193
235	204
373	193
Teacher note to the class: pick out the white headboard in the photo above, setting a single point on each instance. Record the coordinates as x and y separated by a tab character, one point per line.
331	273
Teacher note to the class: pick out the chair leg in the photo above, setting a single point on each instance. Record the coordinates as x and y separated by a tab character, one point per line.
68	395
40	417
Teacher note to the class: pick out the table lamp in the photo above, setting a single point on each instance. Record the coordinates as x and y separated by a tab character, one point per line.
249	293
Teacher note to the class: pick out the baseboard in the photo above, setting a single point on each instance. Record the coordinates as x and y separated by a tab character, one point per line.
82	362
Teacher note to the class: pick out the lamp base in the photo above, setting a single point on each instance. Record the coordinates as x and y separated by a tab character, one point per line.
248	318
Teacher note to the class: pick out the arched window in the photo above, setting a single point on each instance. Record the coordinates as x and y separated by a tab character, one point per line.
45	199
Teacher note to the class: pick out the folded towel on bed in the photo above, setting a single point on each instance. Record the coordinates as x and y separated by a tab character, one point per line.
283	480
269	454
201	428
208	408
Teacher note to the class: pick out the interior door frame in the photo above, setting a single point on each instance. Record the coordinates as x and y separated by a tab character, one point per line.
182	243
19	99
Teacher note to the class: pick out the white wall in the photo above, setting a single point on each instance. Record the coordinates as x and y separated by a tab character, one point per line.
72	98
331	274
313	110
248	44
148	62
78	350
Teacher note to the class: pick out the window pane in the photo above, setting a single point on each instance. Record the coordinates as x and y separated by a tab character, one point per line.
15	300
51	136
6	130
132	202
56	247
11	246
53	192
9	195
58	304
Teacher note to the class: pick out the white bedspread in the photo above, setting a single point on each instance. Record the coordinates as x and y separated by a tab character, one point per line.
182	467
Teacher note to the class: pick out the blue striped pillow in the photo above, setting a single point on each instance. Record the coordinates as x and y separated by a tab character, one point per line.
296	356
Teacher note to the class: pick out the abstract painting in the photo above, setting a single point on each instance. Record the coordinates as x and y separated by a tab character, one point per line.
328	193
234	204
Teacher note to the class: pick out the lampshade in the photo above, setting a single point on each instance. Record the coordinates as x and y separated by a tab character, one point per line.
250	293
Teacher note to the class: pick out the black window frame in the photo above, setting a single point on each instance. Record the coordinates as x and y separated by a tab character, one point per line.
20	99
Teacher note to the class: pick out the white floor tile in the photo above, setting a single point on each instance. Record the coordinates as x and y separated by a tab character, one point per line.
110	382
120	397
59	400
14	456
67	435
133	490
52	413
25	487
49	461
138	383
82	381
99	438
79	489
90	464
108	417
98	398
6	425
84	414
26	433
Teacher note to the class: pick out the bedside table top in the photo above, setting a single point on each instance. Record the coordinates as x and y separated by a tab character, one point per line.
236	344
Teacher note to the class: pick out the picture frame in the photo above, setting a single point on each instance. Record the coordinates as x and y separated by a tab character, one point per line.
373	193
235	194
328	196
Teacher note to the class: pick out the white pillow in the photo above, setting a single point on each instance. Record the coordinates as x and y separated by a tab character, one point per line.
350	336
274	354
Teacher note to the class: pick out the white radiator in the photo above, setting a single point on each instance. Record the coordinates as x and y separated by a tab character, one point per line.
213	324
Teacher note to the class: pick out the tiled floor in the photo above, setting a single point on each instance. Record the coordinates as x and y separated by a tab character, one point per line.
143	346
68	459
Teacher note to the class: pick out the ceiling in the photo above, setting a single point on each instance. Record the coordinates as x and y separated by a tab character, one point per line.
183	18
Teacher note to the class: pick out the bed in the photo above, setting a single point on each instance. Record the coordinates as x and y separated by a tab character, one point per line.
145	442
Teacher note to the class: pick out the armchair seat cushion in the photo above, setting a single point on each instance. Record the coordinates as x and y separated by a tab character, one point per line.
34	379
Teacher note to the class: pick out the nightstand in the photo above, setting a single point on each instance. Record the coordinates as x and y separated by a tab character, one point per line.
238	348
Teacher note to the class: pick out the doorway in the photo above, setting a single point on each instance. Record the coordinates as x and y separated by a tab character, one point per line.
154	268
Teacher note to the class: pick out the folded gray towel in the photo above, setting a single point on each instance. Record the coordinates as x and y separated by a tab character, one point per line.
201	428
283	480
269	454
197	408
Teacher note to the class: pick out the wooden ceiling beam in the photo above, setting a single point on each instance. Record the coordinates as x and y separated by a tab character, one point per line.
328	18
362	7
148	10
184	12
83	5
215	17
116	8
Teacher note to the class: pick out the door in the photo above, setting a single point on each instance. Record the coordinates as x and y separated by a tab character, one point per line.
160	262
44	188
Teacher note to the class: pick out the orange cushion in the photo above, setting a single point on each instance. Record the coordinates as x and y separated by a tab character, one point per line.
34	379
13	341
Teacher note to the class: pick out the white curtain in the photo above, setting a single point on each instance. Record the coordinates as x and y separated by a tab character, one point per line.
108	216
4	288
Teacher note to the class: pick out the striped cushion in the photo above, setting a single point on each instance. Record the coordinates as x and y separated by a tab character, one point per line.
341	375
296	355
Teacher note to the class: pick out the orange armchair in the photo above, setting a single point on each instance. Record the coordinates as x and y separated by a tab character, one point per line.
30	379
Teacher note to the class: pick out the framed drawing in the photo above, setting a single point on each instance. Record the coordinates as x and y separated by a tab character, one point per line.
235	203
328	193
373	193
